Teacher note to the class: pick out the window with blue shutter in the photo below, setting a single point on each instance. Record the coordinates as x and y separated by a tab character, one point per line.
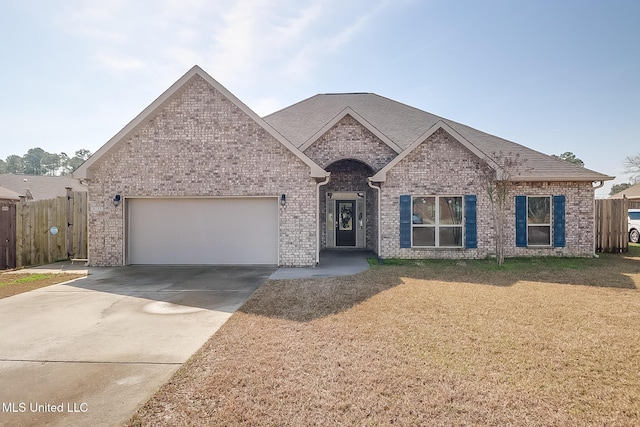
471	229
521	221
559	221
405	221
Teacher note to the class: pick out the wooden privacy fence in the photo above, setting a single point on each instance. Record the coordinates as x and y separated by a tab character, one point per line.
51	230
7	234
612	225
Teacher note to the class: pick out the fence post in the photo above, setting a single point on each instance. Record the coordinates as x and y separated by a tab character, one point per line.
69	218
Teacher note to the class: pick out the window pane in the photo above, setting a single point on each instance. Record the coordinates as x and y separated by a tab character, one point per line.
450	210
539	235
424	210
424	236
539	210
450	236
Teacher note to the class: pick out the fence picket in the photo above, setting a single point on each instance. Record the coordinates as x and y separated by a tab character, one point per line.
34	242
611	225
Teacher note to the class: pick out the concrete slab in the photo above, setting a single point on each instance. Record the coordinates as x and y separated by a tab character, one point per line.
97	348
332	263
57	267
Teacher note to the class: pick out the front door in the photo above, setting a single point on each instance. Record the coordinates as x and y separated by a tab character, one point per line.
345	230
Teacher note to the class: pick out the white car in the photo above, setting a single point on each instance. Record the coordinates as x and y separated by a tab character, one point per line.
634	225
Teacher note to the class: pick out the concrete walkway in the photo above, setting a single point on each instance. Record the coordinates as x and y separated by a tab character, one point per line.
92	351
332	264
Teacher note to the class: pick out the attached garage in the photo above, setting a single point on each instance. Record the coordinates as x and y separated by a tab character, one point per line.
202	230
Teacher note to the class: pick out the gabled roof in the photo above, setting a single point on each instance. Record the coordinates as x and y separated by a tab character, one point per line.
349	112
6	194
404	126
84	171
40	187
632	192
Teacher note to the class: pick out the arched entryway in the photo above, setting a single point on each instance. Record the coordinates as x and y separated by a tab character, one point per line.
348	207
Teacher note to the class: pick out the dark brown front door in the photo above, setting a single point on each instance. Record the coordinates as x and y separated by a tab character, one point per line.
345	229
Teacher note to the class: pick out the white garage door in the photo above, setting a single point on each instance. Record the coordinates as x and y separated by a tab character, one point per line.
202	231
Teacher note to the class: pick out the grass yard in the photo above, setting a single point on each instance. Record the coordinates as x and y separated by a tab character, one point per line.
539	342
17	283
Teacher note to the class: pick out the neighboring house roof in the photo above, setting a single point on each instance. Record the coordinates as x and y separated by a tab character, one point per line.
6	194
632	193
406	127
84	171
40	187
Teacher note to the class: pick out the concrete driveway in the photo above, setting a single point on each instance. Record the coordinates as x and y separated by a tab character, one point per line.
91	351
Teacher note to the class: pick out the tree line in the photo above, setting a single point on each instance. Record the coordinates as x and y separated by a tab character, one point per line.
631	165
39	162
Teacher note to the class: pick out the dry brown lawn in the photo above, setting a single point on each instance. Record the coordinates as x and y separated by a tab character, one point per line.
16	283
540	342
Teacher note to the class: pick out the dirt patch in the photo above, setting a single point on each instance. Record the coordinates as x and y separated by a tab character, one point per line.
437	344
17	283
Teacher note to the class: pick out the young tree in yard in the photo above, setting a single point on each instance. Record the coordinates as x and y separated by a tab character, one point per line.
496	183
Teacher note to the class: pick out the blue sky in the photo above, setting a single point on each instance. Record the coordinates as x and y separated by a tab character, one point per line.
555	76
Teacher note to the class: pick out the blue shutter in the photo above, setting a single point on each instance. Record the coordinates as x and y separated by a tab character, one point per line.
470	224
558	221
521	221
405	221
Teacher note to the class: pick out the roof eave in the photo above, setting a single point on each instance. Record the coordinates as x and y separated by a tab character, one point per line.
348	111
594	178
381	176
85	170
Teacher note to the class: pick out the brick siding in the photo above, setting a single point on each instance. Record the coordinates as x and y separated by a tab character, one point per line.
200	144
443	166
348	139
350	175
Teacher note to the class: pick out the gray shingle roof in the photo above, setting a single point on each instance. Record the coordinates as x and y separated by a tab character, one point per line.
403	124
40	187
632	192
6	194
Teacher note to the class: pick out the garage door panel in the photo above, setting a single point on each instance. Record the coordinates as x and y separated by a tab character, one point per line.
203	231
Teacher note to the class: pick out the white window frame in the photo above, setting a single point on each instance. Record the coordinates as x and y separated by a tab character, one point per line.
549	224
437	224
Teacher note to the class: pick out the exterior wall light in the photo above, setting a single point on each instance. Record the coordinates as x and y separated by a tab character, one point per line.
283	199
116	200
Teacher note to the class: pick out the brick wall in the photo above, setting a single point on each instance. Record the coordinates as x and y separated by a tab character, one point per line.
443	166
348	139
198	143
350	175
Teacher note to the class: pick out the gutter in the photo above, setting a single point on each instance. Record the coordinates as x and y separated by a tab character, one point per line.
378	189
595	255
318	185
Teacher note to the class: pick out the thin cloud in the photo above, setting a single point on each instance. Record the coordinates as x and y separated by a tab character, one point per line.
241	41
118	62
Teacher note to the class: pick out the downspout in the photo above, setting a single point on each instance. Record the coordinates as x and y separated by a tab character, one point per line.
379	217
595	255
318	185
